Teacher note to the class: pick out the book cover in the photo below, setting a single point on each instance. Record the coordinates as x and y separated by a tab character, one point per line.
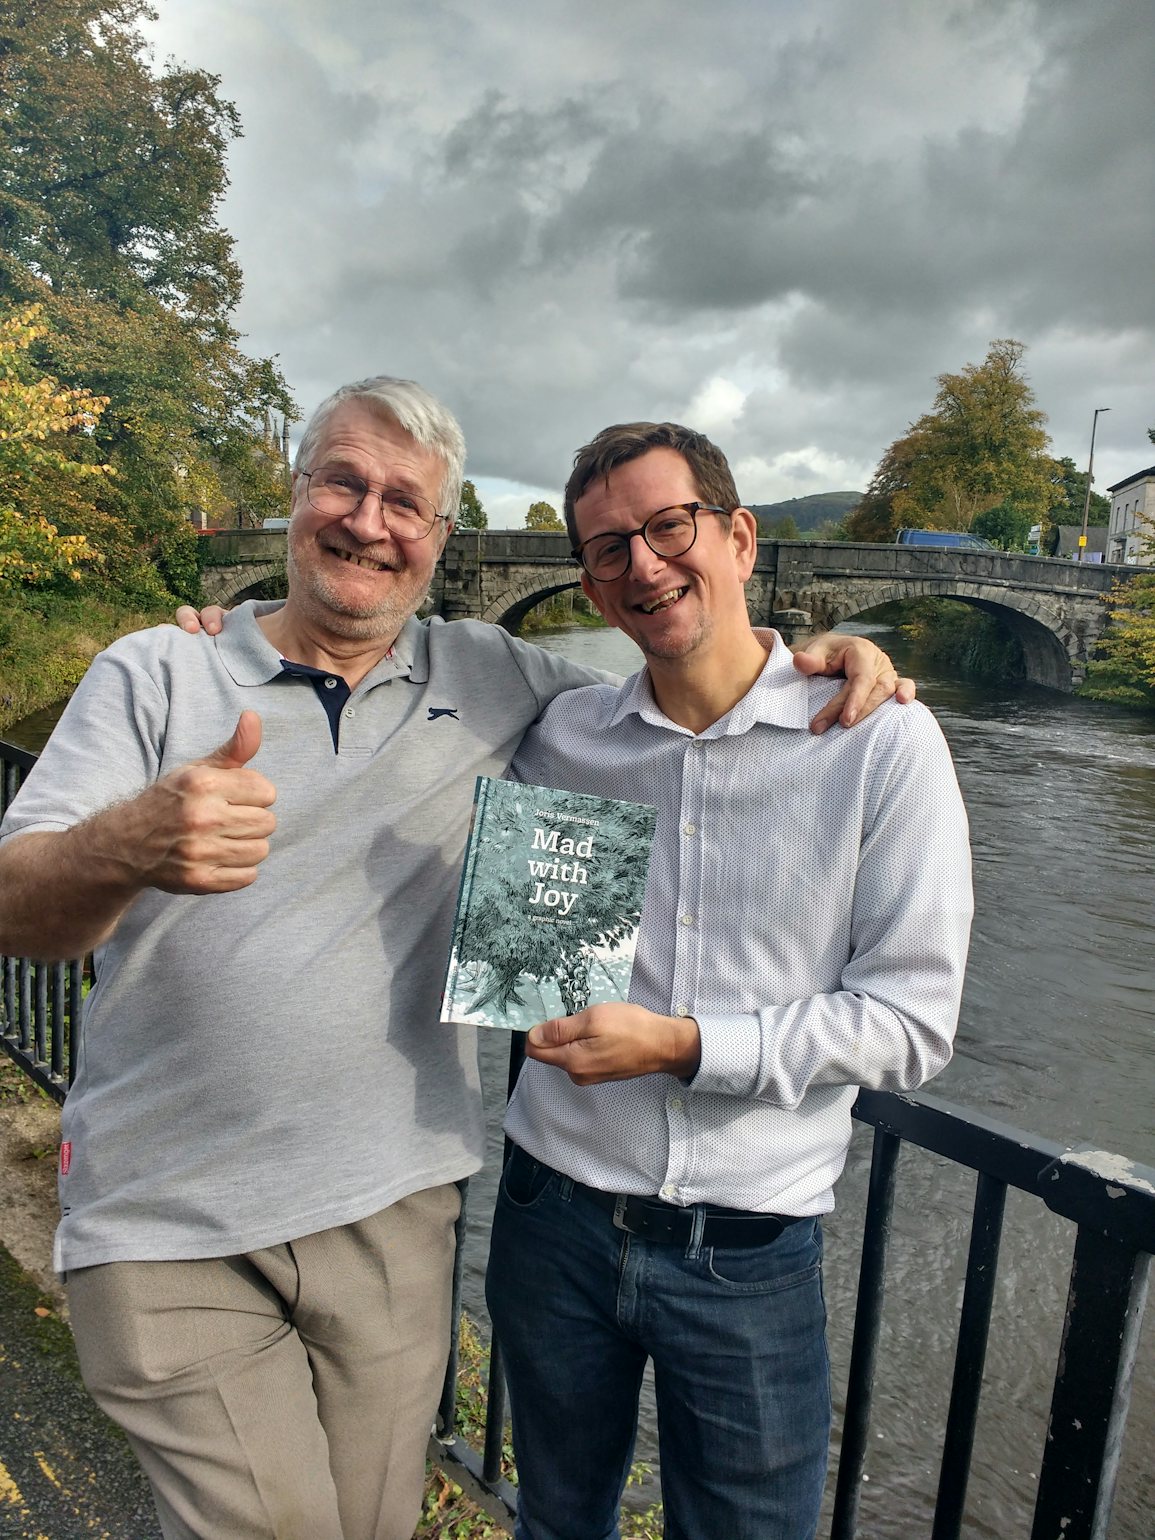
550	902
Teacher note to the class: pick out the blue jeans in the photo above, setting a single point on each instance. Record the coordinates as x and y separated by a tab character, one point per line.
738	1340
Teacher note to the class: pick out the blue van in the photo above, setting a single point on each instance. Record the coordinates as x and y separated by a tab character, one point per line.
943	537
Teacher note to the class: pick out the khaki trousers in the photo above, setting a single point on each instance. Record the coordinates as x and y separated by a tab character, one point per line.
286	1394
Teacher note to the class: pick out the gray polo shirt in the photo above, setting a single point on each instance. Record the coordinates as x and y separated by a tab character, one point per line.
260	1065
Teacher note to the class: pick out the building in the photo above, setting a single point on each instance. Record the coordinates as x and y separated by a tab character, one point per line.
1063	540
1131	532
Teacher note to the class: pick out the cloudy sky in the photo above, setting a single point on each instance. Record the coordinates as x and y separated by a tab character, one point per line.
776	220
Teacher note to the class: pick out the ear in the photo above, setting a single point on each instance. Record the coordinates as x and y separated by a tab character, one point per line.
593	593
744	541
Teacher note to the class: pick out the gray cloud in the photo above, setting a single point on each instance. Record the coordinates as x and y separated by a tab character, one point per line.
791	216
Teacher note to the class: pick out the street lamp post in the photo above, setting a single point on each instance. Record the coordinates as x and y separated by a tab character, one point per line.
1090	468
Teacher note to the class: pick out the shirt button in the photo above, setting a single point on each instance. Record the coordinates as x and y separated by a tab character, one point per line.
687	919
349	712
330	684
668	1192
676	1104
689	828
683	1010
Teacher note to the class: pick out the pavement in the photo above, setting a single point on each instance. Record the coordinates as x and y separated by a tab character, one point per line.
65	1471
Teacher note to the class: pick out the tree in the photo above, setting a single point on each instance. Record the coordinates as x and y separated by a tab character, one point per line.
1124	669
876	518
110	181
984	444
783	528
1004	525
543	516
471	515
1069	495
42	476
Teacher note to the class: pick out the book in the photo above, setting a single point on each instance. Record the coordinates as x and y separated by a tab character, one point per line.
549	906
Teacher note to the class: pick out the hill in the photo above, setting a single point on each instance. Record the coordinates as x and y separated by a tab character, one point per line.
807	512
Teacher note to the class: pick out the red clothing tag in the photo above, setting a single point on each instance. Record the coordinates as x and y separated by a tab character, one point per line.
65	1157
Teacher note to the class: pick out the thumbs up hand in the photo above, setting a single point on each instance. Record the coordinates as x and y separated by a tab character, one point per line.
235	752
204	828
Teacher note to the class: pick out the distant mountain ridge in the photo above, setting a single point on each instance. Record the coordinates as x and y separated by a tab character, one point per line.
808	512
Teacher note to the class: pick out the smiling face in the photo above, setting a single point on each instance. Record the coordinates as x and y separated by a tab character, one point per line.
348	577
675	608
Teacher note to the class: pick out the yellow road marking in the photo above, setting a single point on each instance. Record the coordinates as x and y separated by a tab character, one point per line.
9	1491
49	1473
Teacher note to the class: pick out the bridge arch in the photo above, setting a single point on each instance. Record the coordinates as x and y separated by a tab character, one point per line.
1052	650
233	585
510	608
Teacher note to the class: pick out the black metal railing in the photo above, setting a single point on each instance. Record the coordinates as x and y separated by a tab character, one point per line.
38	1001
1111	1201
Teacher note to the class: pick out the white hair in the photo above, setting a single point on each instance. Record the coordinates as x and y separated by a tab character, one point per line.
414	410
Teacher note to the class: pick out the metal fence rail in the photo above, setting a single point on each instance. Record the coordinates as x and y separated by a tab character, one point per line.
38	1001
1110	1200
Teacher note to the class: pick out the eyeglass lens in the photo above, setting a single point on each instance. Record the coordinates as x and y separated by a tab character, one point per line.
337	493
669	532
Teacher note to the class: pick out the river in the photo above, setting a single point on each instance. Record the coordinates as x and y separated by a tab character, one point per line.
1057	1036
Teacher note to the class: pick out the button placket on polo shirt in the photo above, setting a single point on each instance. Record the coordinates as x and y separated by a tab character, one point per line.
363	721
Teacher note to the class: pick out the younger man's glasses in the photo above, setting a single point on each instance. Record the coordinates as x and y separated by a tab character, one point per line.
669	532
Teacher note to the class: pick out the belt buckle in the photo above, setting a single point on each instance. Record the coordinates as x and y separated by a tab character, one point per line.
620	1201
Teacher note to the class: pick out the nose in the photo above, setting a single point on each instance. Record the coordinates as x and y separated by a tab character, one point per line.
367	521
644	560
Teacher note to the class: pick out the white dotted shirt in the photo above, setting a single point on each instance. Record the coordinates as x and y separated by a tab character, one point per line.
808	903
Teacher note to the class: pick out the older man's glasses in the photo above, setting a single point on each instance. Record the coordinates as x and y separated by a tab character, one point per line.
669	532
336	493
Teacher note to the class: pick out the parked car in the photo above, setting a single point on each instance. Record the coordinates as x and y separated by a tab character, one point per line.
943	537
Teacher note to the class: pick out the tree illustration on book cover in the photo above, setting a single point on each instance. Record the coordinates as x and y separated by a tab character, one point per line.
551	897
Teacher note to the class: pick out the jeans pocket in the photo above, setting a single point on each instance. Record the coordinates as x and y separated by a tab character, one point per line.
794	1258
524	1179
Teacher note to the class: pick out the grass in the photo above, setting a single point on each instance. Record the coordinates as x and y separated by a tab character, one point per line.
47	641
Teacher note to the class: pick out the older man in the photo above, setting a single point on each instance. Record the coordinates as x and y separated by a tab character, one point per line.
261	1146
804	933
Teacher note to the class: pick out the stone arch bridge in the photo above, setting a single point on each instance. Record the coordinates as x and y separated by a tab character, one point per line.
1055	608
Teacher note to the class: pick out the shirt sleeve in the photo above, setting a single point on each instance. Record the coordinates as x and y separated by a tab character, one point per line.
890	1024
548	674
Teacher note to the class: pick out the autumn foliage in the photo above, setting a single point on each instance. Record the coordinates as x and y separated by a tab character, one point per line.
982	447
129	411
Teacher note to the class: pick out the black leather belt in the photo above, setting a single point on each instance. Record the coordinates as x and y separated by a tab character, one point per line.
655	1220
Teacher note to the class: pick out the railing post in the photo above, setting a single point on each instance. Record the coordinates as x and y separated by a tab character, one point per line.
447	1407
1092	1388
867	1323
970	1357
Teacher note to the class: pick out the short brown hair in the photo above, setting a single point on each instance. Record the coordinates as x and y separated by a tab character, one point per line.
625	441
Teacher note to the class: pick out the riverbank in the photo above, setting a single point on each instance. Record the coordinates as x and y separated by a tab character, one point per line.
47	641
562	614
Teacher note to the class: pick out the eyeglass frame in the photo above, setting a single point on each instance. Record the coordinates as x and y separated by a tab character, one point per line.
693	509
379	494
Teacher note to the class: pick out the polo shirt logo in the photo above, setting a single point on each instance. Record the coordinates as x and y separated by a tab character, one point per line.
443	711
